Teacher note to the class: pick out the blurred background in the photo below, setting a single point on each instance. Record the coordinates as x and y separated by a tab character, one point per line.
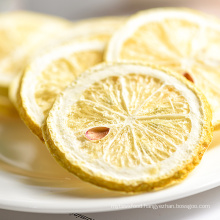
79	9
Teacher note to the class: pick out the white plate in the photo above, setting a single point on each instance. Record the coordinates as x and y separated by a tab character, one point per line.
30	179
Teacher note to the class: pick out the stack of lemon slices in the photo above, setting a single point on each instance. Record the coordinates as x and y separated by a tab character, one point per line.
125	103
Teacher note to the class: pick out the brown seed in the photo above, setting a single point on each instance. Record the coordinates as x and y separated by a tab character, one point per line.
97	133
189	77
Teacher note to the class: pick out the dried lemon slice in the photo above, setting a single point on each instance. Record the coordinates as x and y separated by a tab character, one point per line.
184	40
129	127
21	34
49	75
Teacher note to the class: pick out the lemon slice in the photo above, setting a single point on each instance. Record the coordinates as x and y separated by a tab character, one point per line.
129	127
21	34
184	40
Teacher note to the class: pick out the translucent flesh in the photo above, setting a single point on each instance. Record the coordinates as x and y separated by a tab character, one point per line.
147	120
61	73
182	46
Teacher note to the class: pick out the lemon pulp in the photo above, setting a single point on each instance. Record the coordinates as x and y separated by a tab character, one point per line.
141	130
